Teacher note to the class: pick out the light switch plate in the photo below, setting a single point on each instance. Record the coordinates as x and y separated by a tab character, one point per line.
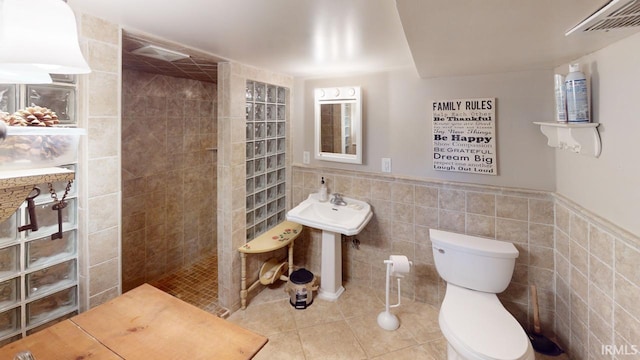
386	165
306	157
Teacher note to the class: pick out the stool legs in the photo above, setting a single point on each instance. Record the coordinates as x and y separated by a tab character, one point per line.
290	258
243	280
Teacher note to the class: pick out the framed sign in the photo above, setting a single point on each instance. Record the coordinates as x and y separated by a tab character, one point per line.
464	136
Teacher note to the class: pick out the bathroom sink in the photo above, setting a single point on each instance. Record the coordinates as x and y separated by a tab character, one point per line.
333	220
347	219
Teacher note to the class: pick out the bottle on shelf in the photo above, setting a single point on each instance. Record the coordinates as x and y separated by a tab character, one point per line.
577	95
561	98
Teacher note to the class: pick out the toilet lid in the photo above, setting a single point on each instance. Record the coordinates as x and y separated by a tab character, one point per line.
478	324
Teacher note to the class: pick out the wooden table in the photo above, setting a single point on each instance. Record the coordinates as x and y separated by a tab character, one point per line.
64	340
144	323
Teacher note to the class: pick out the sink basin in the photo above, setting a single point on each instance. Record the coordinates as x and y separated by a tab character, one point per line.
347	219
333	220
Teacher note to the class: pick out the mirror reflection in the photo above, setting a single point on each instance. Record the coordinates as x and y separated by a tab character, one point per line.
336	130
338	124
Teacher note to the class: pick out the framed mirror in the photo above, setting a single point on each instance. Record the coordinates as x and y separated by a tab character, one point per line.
338	124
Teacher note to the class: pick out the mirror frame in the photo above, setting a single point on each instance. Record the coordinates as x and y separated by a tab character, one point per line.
339	95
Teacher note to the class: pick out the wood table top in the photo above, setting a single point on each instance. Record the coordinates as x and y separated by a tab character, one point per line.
144	323
64	340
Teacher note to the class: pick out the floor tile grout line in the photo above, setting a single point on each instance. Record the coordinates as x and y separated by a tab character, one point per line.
355	336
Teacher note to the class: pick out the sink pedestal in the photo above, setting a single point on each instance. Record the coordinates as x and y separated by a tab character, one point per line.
331	272
334	221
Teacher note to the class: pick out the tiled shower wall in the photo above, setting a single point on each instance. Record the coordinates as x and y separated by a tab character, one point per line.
405	210
169	136
586	270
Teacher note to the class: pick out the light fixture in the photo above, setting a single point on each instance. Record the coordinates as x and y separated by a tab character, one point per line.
39	36
159	53
24	75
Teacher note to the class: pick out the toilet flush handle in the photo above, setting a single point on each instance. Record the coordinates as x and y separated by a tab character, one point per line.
441	251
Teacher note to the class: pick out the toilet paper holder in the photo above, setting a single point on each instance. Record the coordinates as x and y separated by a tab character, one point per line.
397	266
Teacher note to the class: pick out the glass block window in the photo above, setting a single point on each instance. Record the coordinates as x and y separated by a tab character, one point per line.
38	275
58	98
8	97
265	156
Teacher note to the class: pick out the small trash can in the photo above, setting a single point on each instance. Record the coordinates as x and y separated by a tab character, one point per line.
300	287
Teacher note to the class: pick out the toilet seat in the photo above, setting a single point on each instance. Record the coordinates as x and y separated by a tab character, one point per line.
477	326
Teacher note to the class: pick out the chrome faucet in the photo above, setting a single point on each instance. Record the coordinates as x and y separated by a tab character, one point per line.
338	200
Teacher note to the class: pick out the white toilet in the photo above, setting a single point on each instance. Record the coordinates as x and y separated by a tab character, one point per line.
472	319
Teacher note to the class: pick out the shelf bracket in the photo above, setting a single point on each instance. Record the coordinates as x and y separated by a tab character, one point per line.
582	138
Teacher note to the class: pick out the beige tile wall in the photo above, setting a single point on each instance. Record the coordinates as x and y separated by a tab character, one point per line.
597	284
405	210
99	163
587	270
169	128
232	78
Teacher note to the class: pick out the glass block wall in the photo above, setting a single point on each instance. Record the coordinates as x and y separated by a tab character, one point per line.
38	275
265	156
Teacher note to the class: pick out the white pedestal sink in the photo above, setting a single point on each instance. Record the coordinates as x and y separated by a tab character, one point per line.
334	221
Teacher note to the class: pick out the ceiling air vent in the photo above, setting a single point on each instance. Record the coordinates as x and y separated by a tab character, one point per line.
616	14
159	53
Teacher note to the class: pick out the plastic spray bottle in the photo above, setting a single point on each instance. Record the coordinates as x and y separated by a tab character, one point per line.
577	95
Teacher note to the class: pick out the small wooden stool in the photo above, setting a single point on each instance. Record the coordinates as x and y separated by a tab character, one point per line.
276	238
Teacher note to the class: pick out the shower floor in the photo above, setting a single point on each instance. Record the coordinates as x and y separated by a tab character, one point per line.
196	284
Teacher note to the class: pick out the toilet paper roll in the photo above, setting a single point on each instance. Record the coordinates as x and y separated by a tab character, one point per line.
399	264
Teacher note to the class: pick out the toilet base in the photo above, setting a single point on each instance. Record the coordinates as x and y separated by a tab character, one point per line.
452	354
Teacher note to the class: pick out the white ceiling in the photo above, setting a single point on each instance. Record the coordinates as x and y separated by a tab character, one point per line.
310	38
462	37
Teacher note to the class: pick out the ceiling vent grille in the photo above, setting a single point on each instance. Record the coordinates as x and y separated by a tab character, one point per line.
159	53
616	14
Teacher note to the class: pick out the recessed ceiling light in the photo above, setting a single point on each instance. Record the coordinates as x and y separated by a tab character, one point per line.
159	53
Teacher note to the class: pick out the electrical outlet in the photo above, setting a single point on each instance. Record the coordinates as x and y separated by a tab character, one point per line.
306	157
386	165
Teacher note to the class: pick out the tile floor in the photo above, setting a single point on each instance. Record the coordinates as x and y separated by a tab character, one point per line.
196	284
345	329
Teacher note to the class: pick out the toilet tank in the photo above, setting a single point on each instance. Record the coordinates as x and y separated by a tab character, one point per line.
473	262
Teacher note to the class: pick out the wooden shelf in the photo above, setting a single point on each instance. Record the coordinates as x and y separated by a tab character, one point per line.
15	185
